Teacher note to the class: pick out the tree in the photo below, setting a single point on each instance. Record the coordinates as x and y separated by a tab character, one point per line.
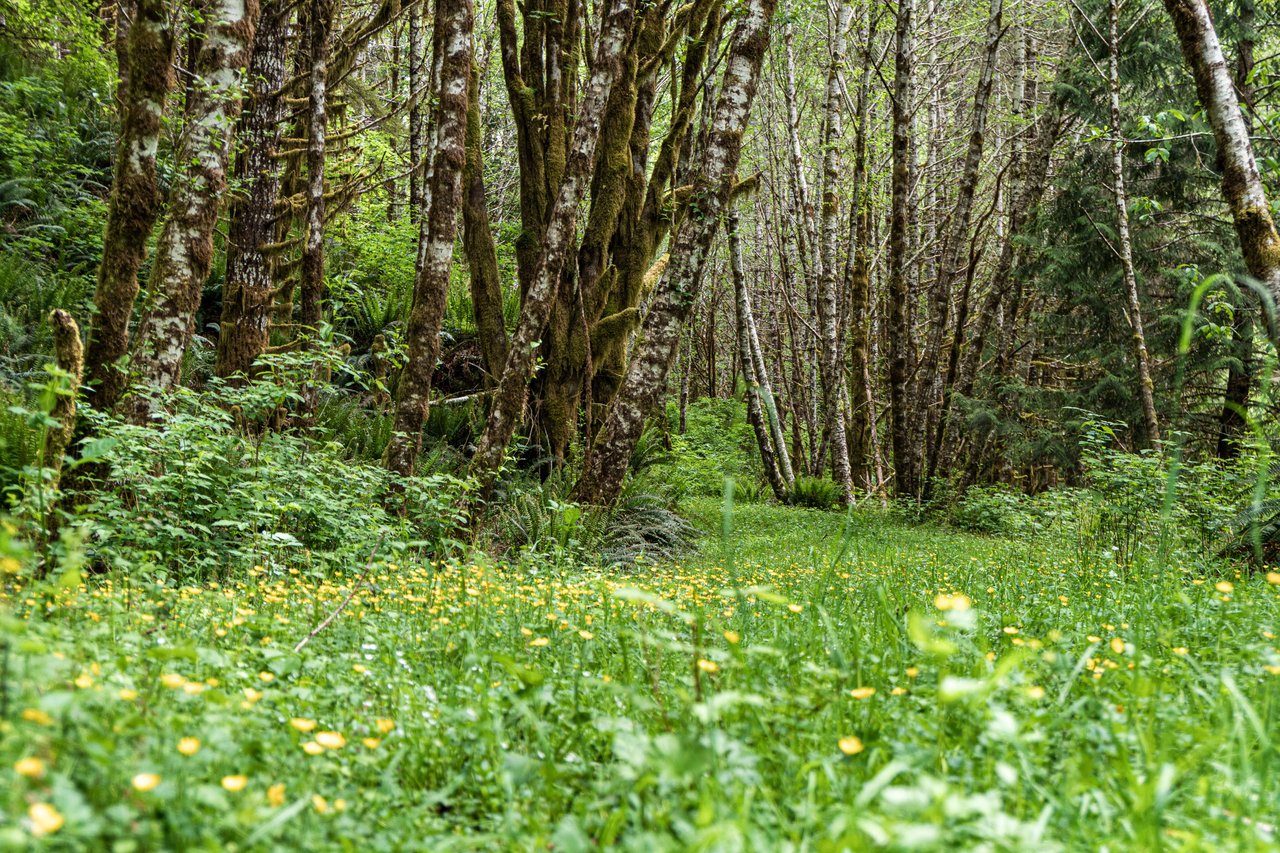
677	291
508	404
249	285
184	252
452	37
1241	184
135	198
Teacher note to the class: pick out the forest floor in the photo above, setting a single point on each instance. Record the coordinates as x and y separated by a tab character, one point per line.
802	683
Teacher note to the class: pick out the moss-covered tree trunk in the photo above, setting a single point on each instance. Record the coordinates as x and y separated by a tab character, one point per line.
248	288
69	355
135	198
905	457
558	242
452	45
677	290
184	252
1241	185
477	240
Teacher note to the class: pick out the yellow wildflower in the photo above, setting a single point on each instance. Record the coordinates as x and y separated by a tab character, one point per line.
145	781
384	725
331	740
45	819
312	748
302	724
862	692
35	715
851	745
189	745
275	794
30	767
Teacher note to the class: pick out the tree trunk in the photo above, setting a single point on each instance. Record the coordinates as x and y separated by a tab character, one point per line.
477	241
955	239
452	38
416	84
320	26
557	243
1241	186
1146	389
248	290
135	198
906	479
831	332
677	292
762	420
184	252
1240	373
69	354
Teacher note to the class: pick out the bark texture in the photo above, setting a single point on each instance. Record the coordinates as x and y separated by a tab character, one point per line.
831	349
69	354
248	290
184	252
135	198
677	291
556	246
1241	185
905	468
453	44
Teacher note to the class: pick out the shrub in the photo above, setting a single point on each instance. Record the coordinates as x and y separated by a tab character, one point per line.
211	494
815	492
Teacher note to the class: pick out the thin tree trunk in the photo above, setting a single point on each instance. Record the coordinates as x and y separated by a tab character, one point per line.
1146	389
416	82
830	330
904	456
135	198
184	252
1240	374
248	290
761	423
557	243
312	283
1241	185
452	38
954	241
677	292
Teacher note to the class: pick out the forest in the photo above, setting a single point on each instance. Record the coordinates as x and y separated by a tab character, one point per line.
644	425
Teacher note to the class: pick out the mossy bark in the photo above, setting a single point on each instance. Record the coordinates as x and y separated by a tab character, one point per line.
1241	185
248	289
135	198
676	293
184	252
559	238
69	354
905	457
452	45
477	240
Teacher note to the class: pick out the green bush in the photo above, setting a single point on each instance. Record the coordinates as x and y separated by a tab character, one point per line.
814	492
211	494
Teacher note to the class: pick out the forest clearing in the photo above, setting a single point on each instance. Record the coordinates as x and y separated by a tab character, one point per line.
572	425
765	694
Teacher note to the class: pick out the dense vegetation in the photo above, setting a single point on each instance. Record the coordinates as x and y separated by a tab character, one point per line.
580	425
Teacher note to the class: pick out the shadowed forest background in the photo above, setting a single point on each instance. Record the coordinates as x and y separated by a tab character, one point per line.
731	424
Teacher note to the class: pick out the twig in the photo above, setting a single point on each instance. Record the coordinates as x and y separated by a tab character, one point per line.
354	589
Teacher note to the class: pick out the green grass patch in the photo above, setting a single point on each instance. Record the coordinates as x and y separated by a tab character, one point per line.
806	681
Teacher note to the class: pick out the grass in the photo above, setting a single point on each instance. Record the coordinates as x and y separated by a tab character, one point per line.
798	684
